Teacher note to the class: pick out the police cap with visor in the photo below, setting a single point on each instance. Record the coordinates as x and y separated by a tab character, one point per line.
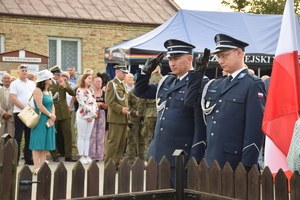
55	70
178	48
121	68
225	42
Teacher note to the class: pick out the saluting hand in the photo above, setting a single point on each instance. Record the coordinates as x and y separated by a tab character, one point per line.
152	63
201	63
61	82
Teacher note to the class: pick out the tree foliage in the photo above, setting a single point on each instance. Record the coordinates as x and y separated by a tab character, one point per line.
236	5
259	6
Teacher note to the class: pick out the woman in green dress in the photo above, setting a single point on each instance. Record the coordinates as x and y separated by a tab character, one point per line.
42	137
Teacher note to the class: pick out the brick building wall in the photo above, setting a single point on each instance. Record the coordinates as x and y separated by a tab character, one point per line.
32	34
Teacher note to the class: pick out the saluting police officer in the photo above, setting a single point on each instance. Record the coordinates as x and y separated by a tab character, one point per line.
175	126
233	105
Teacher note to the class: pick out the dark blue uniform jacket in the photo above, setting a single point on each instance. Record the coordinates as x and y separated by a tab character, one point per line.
175	126
234	125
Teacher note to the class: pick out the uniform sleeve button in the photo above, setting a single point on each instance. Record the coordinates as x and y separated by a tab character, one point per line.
217	111
185	145
170	97
235	152
163	118
167	108
214	122
220	100
161	129
212	134
233	99
182	99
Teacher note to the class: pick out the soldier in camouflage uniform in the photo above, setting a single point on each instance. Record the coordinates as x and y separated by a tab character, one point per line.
147	110
135	141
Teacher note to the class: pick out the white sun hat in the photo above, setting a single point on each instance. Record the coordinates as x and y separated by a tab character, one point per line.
43	75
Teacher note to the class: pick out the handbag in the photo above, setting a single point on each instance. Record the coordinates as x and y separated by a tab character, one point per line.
28	115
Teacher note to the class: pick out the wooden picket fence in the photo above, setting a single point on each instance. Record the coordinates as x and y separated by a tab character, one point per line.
134	182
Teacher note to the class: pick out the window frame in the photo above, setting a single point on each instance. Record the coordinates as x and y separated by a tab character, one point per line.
58	50
2	42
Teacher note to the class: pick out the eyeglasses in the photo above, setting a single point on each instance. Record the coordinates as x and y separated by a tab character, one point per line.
98	81
224	57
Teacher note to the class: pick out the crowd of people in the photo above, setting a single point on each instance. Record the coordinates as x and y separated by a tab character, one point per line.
144	114
78	111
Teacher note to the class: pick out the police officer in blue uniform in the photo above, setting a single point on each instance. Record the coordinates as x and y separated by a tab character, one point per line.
175	126
233	105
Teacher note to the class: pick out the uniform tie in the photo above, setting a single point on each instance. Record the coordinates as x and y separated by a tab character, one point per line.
177	80
228	80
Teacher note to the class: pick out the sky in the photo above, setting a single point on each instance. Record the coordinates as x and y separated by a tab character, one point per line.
207	5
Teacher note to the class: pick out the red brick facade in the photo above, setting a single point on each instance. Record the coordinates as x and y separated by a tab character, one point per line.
32	34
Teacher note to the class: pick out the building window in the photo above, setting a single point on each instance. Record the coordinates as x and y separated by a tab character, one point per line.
2	38
65	52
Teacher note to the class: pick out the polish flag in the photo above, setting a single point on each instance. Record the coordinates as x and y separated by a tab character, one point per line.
282	106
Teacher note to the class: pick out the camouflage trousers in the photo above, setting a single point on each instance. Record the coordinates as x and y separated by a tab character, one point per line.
148	130
135	143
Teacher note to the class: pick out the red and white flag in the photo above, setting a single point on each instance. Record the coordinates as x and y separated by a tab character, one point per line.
282	106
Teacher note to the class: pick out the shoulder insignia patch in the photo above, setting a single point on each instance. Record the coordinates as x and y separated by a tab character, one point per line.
242	75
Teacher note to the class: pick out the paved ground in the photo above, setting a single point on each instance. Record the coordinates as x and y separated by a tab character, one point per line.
69	166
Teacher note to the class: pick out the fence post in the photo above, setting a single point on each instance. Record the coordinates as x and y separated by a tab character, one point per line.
179	176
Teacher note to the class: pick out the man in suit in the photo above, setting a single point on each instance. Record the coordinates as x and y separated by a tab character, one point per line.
175	125
7	107
233	105
59	88
117	116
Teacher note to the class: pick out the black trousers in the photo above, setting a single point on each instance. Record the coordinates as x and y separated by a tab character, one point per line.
20	127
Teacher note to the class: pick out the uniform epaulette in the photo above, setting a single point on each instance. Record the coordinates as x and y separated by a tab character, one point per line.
254	77
171	74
